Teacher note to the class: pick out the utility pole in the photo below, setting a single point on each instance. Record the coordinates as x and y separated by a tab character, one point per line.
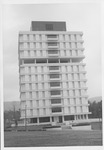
99	111
15	119
14	115
25	118
14	111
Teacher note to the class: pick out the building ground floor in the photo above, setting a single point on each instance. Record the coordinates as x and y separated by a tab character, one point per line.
56	119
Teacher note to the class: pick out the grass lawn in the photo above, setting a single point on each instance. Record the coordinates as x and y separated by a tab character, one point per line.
52	138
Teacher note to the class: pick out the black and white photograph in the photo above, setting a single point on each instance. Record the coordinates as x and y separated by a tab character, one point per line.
52	75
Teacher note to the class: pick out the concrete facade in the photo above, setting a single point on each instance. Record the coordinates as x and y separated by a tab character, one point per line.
52	77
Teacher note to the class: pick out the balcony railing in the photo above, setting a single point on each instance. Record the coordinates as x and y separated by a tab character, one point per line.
55	87
56	105
59	95
56	113
52	38
55	79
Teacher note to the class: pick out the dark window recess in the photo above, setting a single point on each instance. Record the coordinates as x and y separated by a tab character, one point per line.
56	109
52	52
60	119
52	119
49	27
54	76
53	84
52	43
54	68
69	117
33	120
52	36
44	119
53	61
55	101
41	61
64	61
29	61
55	92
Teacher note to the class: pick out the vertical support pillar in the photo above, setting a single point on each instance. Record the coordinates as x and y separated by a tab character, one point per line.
74	117
38	121
35	61
70	60
86	116
59	61
51	120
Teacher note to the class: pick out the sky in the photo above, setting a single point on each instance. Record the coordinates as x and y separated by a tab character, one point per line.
85	17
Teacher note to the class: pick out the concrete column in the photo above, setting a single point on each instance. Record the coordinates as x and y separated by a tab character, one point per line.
75	117
59	60
83	117
35	61
86	116
51	120
70	60
38	121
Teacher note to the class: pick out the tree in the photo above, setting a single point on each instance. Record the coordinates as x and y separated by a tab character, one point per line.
96	109
10	117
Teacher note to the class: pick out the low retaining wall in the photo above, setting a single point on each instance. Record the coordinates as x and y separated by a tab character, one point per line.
50	129
95	120
86	127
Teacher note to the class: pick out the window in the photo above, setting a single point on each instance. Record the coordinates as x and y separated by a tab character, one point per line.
33	120
29	61
64	60
56	109
54	68
41	61
55	92
55	101
44	119
71	117
52	36
54	76
53	84
53	61
52	43
49	27
52	51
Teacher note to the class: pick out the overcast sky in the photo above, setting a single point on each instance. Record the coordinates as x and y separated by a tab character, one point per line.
83	17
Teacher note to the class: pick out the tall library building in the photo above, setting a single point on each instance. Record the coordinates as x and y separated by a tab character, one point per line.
52	74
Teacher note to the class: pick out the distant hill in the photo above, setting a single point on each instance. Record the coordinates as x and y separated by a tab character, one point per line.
10	105
96	99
